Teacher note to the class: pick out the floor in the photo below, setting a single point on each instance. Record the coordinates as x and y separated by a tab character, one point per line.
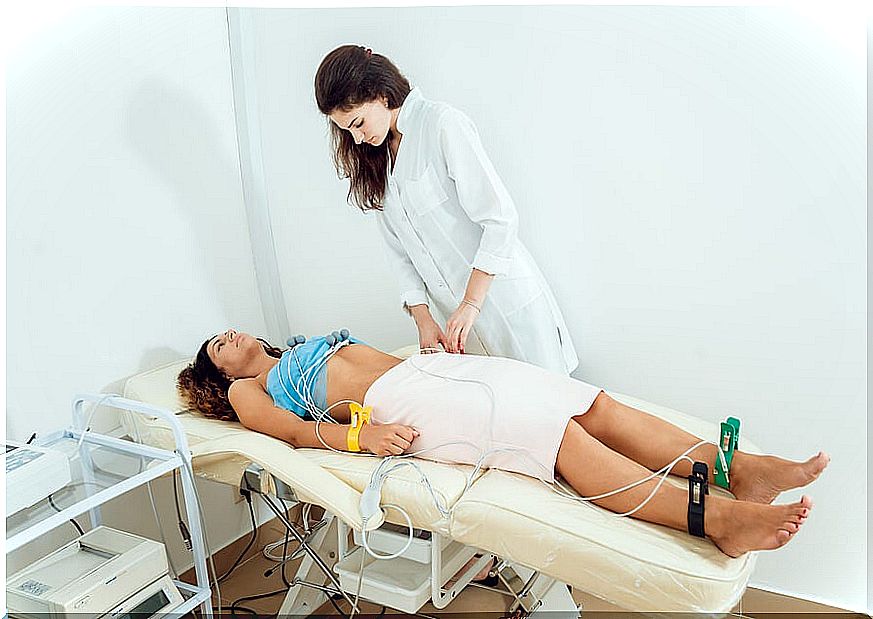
248	580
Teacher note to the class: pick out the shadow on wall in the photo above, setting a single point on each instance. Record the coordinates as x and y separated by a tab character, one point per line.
183	143
107	419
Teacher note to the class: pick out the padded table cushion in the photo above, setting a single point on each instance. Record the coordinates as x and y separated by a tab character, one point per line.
632	564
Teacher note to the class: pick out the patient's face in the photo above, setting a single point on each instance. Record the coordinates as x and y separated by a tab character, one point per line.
368	122
232	352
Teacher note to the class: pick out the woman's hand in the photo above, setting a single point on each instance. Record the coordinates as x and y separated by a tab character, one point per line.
389	439
458	326
430	335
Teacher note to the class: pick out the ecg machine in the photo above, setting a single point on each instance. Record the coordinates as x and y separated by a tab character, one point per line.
104	573
32	474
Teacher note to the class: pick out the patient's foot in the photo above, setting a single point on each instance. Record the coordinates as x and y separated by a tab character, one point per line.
760	479
737	527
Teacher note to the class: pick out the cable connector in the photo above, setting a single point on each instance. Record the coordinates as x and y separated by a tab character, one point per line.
246	494
186	535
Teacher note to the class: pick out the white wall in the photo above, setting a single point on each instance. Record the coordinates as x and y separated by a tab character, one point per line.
691	181
127	241
127	244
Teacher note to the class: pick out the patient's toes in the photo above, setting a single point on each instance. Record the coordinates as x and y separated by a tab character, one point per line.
752	526
782	538
799	512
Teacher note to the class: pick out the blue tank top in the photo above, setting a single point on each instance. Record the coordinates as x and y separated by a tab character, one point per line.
301	375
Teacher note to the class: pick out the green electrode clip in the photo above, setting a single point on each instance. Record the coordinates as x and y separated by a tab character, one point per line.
729	440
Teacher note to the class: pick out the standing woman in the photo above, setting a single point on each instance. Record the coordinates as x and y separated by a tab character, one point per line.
450	225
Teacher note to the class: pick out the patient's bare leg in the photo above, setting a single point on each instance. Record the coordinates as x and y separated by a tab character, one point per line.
735	526
653	442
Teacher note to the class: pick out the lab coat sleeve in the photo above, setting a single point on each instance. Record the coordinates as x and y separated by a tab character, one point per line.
413	291
480	191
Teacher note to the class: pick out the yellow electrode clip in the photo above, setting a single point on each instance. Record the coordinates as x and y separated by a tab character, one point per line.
360	416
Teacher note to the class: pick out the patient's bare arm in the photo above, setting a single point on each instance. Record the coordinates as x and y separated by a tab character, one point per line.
382	440
256	411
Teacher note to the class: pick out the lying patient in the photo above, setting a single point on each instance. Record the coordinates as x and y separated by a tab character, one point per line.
525	419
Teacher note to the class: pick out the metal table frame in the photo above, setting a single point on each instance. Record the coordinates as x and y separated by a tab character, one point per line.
199	594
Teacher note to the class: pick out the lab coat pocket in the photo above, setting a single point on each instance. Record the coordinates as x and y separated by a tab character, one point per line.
425	192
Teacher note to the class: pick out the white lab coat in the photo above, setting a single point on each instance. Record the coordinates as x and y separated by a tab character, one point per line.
445	212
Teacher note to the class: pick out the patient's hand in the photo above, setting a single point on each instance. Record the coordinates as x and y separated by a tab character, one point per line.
390	439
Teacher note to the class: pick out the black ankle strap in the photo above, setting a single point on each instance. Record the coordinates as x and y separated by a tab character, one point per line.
698	488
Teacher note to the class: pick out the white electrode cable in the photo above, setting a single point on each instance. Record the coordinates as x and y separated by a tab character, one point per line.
93	410
399	552
664	471
358	590
379	475
160	526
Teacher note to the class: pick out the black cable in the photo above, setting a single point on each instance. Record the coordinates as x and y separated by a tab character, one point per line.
285	562
248	497
336	606
285	546
235	608
260	596
30	440
183	528
72	521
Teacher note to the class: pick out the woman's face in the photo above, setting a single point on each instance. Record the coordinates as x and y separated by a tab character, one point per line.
368	122
232	352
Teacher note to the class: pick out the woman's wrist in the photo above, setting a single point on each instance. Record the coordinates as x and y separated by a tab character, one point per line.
477	288
420	313
470	303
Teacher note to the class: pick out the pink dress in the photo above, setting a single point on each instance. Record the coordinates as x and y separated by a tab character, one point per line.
481	404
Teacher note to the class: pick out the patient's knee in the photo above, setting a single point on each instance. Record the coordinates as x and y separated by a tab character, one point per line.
599	417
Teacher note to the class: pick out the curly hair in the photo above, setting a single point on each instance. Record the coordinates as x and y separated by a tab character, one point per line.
348	76
204	387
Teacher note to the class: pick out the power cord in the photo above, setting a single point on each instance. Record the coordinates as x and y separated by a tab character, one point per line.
72	520
71	486
232	610
235	604
248	497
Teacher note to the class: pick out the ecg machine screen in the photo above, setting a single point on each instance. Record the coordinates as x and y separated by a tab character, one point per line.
147	607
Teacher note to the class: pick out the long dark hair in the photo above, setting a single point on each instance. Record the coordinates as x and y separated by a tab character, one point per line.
348	76
204	387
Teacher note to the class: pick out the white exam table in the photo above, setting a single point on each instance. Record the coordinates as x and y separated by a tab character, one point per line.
635	565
